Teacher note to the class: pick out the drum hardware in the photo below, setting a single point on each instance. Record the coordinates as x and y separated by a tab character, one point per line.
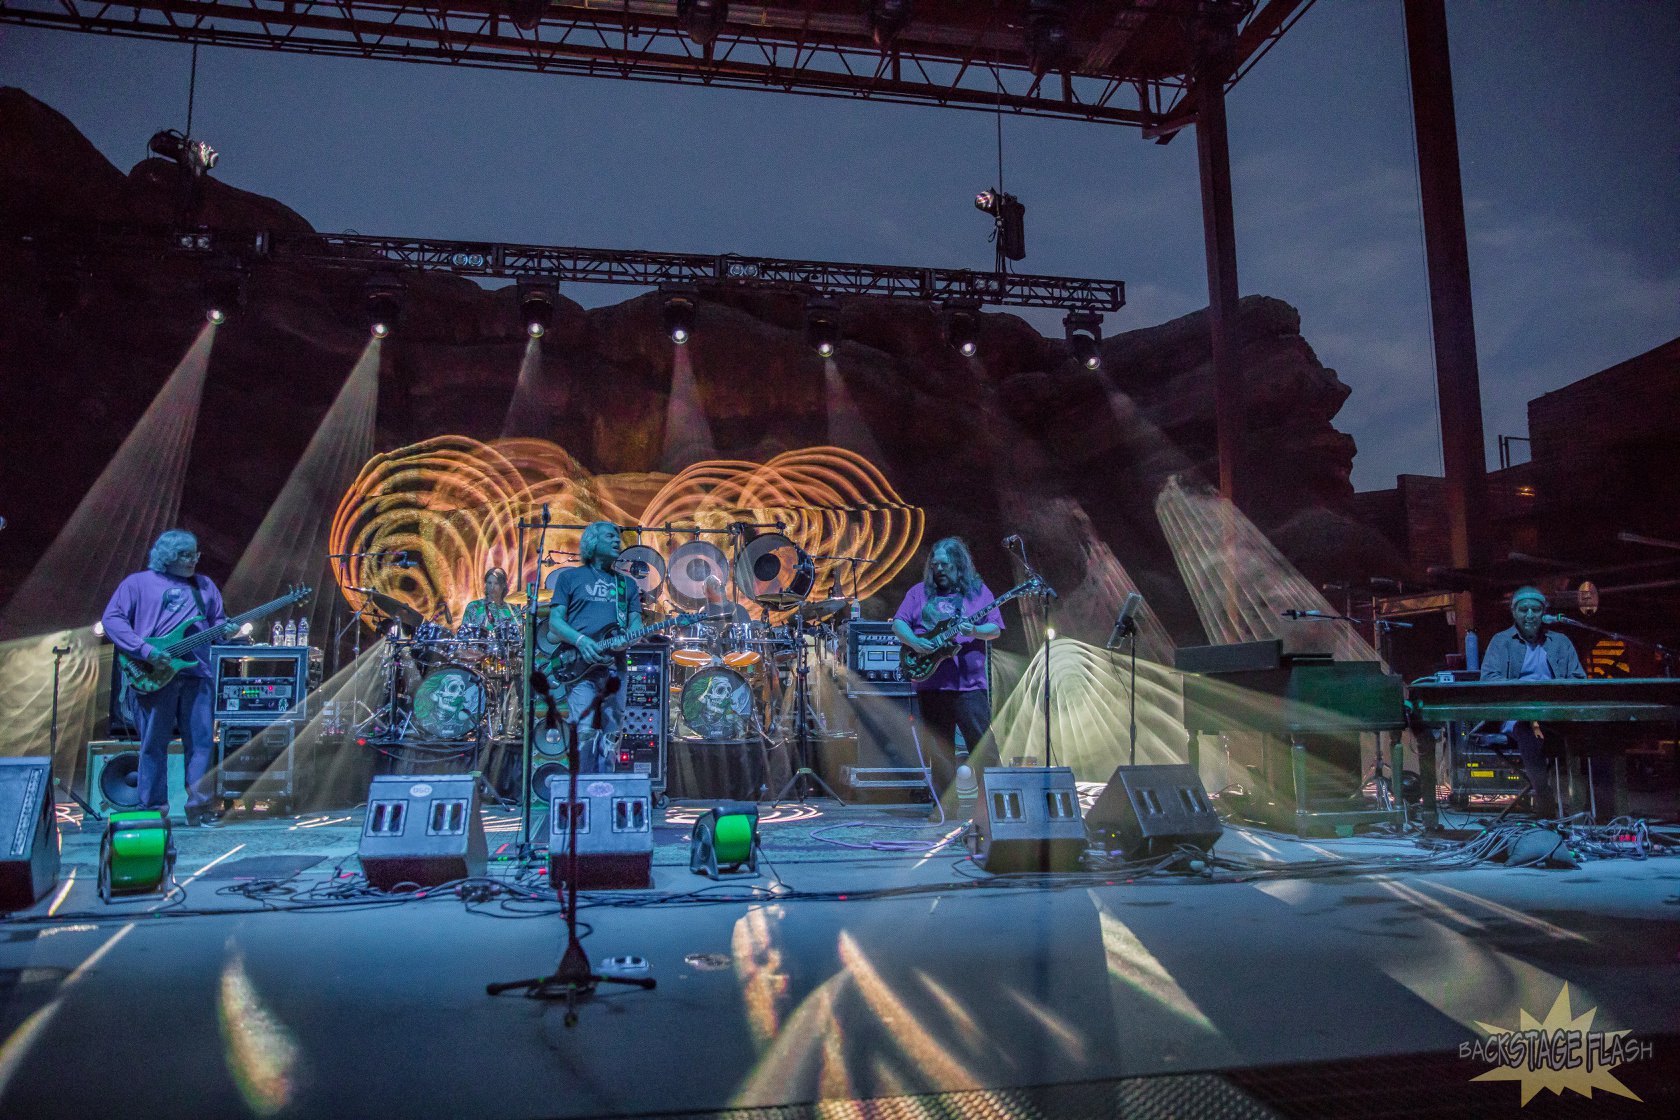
803	775
519	599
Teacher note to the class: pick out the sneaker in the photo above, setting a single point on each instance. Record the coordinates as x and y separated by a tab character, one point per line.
203	818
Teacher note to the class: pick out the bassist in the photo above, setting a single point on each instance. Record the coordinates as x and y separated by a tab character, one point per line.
590	602
148	605
955	696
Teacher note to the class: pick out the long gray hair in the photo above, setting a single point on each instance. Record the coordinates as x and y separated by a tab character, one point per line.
170	548
968	580
594	534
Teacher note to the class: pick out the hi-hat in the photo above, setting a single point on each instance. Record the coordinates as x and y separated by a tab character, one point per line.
691	566
823	610
773	571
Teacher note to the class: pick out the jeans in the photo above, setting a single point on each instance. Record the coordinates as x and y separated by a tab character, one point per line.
183	703
943	713
597	729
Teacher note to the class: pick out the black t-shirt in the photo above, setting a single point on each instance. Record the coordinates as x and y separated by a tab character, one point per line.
592	601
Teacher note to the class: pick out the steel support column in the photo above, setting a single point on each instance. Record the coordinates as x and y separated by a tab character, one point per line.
1220	236
1463	454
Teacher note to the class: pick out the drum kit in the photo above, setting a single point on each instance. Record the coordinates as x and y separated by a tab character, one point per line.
734	677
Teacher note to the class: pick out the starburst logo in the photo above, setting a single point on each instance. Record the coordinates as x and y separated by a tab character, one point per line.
1559	1052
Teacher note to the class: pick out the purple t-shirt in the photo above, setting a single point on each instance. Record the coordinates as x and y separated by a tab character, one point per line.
966	672
149	604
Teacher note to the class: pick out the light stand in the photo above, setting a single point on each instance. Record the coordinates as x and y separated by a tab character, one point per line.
572	979
52	749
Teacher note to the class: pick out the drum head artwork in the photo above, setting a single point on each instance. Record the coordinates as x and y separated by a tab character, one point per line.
449	704
717	704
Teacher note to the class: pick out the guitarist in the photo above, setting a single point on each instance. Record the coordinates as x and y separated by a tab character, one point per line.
955	696
148	605
591	601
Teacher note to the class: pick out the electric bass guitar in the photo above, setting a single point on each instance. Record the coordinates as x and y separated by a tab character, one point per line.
178	650
917	666
566	664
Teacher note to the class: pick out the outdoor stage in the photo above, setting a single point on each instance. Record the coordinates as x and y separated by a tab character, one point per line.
840	973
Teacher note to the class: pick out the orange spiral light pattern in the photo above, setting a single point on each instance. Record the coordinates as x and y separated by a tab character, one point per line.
454	505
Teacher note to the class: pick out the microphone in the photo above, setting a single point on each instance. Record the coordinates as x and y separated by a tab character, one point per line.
545	513
1013	540
1292	613
1558	620
638	568
1124	623
404	560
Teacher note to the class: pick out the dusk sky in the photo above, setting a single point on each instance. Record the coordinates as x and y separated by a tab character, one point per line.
1569	128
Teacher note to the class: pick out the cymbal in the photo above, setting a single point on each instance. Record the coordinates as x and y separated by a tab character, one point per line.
396	608
823	610
520	599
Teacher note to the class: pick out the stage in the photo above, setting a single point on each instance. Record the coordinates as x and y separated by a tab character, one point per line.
1288	982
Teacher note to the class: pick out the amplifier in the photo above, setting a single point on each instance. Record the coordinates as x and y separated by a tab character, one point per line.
257	684
872	661
647	706
254	761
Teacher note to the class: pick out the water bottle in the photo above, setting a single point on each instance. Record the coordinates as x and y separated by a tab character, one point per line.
968	787
303	632
278	635
291	633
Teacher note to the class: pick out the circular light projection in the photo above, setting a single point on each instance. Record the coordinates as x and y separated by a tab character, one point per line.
454	504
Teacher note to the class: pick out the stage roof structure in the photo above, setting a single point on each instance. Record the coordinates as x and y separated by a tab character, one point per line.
1128	62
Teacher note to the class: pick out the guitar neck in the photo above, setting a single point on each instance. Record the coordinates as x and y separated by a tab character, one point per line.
221	630
1012	593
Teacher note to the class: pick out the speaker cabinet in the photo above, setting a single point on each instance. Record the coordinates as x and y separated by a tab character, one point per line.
614	817
422	829
113	774
255	761
1028	820
1147	811
28	832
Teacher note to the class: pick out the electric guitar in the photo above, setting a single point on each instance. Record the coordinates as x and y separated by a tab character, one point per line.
566	664
918	666
177	650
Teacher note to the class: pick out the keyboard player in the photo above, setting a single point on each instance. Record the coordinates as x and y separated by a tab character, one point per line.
1531	651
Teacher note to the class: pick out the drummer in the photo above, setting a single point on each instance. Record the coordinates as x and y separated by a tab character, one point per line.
492	610
721	611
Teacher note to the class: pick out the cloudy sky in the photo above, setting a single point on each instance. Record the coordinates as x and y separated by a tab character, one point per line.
1569	125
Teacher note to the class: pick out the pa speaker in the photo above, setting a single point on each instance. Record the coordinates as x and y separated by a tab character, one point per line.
1149	810
28	832
614	818
113	773
422	829
1028	820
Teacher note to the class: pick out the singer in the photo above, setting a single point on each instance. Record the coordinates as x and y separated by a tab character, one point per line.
955	696
592	602
1531	651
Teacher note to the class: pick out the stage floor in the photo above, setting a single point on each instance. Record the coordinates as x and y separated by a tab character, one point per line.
840	973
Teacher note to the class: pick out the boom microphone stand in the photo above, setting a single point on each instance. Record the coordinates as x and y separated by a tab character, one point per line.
572	979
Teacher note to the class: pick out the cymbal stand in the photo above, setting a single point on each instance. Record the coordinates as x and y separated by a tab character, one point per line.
803	774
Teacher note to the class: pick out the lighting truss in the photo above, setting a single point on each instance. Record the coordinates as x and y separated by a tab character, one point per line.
1128	64
553	264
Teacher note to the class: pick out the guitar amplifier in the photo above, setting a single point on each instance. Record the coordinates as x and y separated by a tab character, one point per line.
872	661
254	761
258	684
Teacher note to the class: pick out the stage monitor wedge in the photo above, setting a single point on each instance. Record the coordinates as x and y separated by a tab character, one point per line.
1028	820
1147	811
423	829
28	832
614	815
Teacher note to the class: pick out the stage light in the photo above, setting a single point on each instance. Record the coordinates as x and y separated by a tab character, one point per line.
195	155
382	301
1048	41
701	20
1009	219
536	306
822	325
886	19
962	326
679	316
216	316
224	290
1084	337
527	14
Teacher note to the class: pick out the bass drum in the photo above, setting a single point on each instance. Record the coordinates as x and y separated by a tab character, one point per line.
449	704
718	705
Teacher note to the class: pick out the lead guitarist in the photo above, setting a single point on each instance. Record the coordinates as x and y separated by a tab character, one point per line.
591	599
955	697
148	605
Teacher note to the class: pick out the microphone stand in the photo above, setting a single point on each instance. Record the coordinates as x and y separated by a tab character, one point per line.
529	715
1666	655
572	979
1049	638
1128	629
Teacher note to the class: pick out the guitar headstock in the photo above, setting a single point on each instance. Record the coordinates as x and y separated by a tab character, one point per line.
298	593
